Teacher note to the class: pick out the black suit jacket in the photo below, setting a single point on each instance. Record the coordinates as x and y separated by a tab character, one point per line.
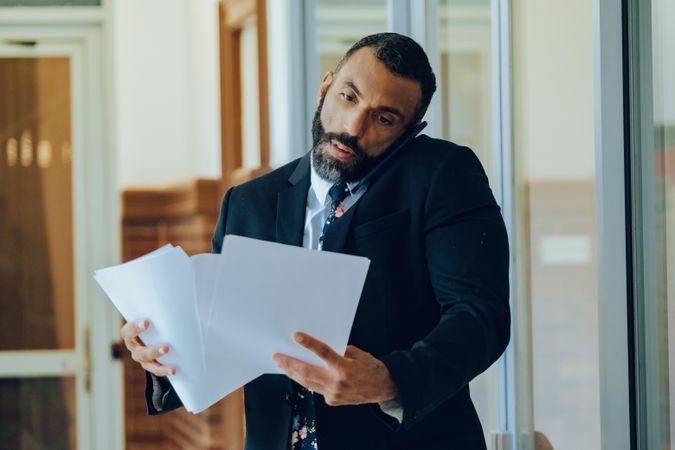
434	307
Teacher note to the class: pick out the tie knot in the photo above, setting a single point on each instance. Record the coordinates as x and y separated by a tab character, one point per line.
338	192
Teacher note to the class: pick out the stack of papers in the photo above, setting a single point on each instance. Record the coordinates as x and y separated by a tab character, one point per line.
225	315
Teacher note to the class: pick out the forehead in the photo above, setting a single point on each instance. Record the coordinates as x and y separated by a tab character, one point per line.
377	85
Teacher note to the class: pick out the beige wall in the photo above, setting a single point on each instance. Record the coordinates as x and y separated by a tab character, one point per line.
553	89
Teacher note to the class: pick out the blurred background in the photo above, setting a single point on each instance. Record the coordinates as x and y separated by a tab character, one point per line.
122	122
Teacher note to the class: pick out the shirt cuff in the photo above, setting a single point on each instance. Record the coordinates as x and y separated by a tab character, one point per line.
392	408
160	391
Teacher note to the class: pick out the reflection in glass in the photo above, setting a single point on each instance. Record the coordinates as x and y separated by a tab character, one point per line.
36	249
464	78
12	152
44	154
663	56
556	268
26	149
341	23
37	413
464	88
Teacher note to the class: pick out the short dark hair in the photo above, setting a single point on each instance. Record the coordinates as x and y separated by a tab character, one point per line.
402	56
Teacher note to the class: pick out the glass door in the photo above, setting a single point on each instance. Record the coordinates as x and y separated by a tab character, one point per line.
651	81
464	77
44	328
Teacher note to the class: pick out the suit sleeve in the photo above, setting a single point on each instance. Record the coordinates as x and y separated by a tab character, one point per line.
160	397
467	259
219	232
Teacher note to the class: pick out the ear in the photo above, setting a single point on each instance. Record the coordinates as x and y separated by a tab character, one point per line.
325	83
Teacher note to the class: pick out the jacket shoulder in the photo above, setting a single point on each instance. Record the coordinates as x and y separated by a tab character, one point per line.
439	154
271	181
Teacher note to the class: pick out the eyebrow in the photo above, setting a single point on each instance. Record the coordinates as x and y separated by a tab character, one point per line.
389	109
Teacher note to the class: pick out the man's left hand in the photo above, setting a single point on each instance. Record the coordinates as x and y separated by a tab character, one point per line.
356	378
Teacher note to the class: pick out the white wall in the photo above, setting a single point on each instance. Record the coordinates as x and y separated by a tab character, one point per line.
167	91
204	88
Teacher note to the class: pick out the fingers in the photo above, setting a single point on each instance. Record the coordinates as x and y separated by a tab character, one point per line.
158	369
308	375
147	358
320	349
131	330
144	354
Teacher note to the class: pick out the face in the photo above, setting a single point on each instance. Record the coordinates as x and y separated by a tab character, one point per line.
363	109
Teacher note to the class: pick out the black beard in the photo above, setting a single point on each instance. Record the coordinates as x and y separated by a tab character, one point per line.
328	167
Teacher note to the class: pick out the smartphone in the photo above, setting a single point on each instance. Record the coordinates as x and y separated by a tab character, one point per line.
402	141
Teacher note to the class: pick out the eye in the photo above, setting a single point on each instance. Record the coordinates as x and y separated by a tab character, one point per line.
383	120
346	96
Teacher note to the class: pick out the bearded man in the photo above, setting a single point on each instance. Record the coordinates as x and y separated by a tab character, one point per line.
434	311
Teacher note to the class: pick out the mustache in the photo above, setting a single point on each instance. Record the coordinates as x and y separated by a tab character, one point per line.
345	139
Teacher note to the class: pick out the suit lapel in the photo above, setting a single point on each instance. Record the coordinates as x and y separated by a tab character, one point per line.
291	205
291	208
336	237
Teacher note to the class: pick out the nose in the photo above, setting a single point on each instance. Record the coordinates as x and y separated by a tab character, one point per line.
355	123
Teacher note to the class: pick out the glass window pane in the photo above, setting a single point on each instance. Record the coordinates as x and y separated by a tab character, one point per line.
663	56
556	266
464	89
37	413
36	249
50	2
464	78
341	23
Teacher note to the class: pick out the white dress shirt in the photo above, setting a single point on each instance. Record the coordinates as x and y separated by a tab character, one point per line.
318	208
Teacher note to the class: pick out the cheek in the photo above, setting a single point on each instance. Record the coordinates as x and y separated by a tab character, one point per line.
376	150
329	115
376	145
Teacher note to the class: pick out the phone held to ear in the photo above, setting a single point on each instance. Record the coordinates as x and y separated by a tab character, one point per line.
402	141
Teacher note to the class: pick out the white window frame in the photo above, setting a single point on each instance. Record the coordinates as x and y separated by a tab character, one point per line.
613	295
86	34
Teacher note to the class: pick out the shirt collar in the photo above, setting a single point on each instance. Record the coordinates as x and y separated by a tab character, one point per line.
320	187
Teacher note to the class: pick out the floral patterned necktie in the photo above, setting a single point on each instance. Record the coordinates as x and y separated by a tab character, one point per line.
337	193
303	425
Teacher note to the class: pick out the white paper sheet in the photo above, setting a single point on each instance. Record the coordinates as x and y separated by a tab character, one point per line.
161	288
283	289
225	315
205	268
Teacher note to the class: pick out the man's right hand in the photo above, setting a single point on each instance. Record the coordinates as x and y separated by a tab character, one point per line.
145	356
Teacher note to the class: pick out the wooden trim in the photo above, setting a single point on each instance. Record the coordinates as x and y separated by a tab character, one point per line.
230	97
183	215
239	11
263	85
198	197
232	16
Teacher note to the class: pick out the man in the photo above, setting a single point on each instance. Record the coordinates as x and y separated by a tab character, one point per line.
434	309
